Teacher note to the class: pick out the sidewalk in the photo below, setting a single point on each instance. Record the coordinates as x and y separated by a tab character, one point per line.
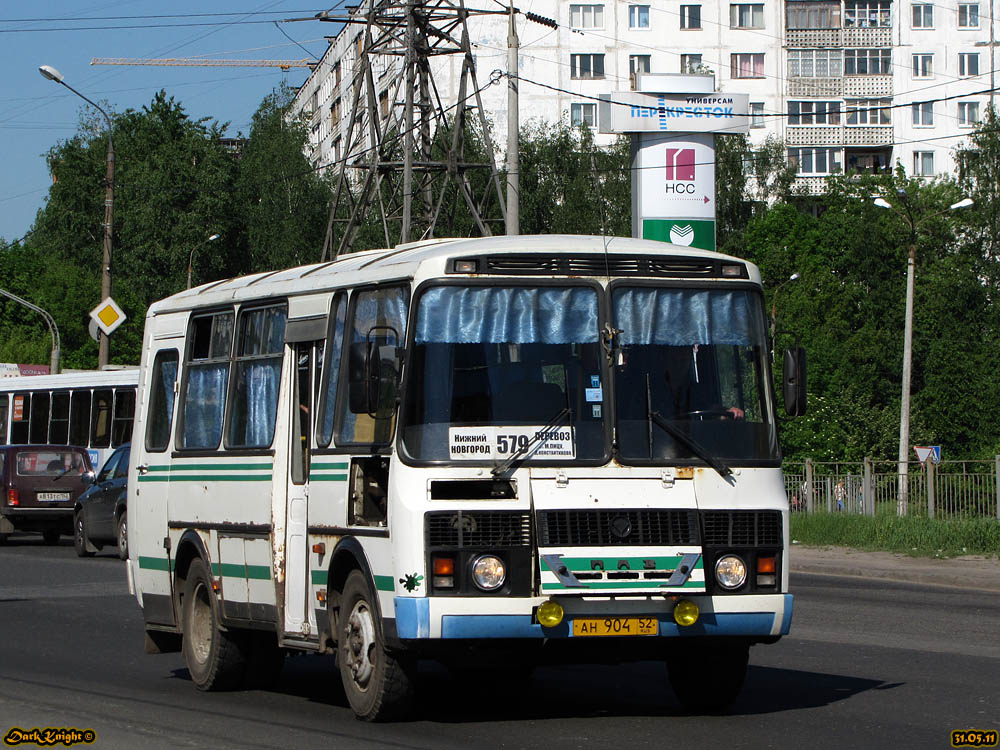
968	571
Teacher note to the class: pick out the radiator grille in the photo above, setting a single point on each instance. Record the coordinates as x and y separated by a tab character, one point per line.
478	529
599	265
760	528
590	528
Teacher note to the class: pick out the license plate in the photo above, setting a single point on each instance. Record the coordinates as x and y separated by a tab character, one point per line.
49	497
615	626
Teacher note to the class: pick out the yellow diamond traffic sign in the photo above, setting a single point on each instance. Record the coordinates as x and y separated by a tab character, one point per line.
108	316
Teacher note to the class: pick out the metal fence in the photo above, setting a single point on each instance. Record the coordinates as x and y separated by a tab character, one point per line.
949	489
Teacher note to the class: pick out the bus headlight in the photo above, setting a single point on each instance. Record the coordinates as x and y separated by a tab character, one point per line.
730	572
488	572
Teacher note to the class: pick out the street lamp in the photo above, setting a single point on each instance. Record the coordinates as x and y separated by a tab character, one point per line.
191	256
109	208
53	330
904	407
774	302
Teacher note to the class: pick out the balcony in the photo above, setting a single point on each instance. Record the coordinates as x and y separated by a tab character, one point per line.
832	88
827	38
867	87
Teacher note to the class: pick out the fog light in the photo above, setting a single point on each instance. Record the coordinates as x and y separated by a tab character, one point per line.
550	614
488	572
686	613
730	572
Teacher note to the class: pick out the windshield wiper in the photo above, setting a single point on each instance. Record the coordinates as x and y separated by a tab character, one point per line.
678	434
522	453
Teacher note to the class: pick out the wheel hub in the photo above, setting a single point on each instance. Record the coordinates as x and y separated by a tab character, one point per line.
360	644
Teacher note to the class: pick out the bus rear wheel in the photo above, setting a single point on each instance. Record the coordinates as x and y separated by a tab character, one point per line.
377	683
707	676
213	656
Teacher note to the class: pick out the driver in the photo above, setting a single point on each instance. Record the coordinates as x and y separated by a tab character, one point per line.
691	383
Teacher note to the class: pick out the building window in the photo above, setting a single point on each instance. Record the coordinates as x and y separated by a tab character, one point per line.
583	114
868	111
586	16
923	65
690	16
968	15
638	64
867	14
747	65
813	113
757	115
335	113
867	62
690	63
814	63
968	63
746	16
923	15
968	113
923	163
383	104
923	113
336	73
336	149
586	66
815	161
812	15
638	16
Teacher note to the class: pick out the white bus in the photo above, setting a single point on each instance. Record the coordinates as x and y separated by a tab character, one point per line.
490	452
91	409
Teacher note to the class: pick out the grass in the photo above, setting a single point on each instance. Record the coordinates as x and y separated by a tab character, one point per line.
918	536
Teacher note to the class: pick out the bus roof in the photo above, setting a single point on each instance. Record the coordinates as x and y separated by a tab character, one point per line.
73	379
428	258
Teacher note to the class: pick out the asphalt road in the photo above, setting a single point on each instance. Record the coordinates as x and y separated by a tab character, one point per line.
869	664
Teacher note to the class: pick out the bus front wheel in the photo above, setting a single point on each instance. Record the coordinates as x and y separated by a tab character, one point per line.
377	683
213	656
708	676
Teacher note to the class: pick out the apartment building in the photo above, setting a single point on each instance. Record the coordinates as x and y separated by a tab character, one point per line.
846	84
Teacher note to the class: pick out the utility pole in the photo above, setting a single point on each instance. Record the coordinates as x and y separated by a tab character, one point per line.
513	126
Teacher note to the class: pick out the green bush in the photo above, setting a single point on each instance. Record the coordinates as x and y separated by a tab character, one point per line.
915	536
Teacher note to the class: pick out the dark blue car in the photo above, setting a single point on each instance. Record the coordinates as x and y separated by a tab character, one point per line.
99	515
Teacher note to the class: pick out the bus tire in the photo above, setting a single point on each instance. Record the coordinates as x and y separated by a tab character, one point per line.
377	683
708	676
214	657
80	543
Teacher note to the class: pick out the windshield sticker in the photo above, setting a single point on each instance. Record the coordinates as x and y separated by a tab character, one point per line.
498	443
596	410
595	381
594	394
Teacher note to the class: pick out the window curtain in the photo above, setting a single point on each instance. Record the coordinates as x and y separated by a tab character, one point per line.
682	317
204	405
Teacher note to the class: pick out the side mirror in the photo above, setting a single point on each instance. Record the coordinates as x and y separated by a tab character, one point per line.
89	478
794	381
373	371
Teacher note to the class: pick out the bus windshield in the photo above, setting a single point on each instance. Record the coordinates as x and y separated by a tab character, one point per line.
691	375
493	366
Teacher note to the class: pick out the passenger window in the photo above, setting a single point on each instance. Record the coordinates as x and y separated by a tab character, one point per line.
19	412
369	491
377	325
256	377
79	418
207	371
161	401
331	370
40	418
100	427
59	419
121	470
124	416
108	470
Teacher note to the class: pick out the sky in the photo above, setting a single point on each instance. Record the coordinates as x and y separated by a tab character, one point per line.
36	113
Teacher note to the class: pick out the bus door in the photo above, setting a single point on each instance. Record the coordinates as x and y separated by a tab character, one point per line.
297	619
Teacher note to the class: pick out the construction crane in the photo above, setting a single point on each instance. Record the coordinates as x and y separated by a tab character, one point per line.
204	62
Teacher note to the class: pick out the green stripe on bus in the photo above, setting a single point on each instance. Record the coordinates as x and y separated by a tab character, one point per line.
650	585
327	477
384	583
209	467
634	564
319	577
154	563
235	570
320	465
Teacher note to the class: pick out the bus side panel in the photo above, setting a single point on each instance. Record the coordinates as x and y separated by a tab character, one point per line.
151	555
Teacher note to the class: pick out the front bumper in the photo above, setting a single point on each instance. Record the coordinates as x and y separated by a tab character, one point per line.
763	616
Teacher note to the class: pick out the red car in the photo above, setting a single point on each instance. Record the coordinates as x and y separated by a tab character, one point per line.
39	485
